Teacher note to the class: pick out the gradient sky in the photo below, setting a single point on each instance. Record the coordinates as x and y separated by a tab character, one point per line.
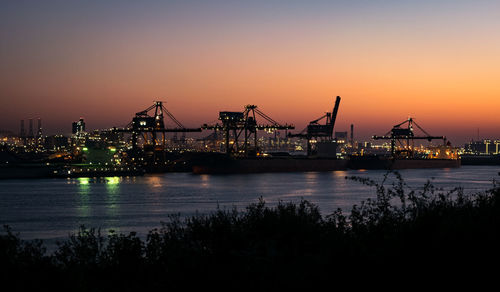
437	61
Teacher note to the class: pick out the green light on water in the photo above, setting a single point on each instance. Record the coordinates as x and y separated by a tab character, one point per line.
83	180
113	180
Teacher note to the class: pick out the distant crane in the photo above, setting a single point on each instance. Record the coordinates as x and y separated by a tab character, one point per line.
317	131
244	123
404	136
152	127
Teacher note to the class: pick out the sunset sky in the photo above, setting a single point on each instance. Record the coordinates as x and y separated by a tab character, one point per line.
437	61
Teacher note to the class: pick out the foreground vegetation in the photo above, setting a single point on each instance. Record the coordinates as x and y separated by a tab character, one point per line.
286	244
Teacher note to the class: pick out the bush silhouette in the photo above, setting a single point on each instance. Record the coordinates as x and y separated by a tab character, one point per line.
265	246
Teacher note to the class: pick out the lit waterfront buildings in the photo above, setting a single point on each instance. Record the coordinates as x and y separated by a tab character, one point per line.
109	147
486	146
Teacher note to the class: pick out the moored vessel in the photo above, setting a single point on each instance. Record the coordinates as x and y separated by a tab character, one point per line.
380	162
485	159
228	165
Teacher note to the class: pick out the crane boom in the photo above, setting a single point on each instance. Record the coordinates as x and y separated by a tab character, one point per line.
334	112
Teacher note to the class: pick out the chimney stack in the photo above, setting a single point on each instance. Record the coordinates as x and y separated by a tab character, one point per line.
352	135
30	133
22	134
39	133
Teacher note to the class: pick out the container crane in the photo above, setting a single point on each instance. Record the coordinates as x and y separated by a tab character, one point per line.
403	138
320	132
152	127
237	124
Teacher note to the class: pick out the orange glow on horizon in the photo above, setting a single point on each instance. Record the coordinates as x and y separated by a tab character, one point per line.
440	68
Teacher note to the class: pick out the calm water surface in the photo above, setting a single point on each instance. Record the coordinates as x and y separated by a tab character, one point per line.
50	209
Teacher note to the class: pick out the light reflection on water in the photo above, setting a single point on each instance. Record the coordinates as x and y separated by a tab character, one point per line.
112	197
205	180
52	208
83	207
154	181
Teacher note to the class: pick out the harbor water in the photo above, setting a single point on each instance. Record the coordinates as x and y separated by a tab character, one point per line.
50	209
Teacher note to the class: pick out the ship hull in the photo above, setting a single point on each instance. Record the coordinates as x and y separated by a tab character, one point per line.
481	159
215	163
261	165
380	163
26	170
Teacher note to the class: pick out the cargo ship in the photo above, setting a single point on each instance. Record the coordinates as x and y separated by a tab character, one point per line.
321	148
218	163
244	155
222	164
